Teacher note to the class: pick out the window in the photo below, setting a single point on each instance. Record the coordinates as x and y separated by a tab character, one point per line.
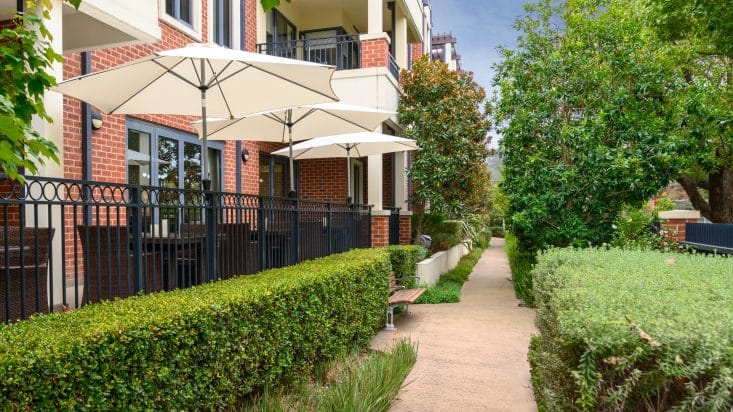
181	10
275	176
281	35
223	22
357	181
177	160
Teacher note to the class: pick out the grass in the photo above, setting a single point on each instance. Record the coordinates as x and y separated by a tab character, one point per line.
359	382
448	289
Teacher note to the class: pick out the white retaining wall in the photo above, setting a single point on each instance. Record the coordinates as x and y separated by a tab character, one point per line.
430	269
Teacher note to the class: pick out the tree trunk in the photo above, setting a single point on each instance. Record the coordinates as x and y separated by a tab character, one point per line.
721	196
719	206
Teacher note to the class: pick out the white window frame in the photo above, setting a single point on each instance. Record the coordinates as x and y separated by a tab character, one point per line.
194	30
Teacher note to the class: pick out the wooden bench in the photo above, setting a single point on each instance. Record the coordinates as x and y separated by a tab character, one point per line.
399	296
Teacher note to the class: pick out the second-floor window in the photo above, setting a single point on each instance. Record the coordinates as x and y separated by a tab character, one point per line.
181	10
223	22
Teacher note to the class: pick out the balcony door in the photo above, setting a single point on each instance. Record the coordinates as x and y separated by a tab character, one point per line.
281	35
275	176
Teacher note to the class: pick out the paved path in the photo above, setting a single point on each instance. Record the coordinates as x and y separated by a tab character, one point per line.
472	355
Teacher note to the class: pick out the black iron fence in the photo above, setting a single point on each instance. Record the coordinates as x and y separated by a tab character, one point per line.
713	237
67	243
394	225
343	51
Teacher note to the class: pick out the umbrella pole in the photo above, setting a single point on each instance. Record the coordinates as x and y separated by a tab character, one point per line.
348	174
290	144
205	182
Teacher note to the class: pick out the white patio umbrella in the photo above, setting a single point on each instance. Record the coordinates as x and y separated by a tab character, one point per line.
297	123
205	80
348	146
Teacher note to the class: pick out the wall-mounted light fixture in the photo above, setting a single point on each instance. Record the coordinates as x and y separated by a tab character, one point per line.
97	121
245	155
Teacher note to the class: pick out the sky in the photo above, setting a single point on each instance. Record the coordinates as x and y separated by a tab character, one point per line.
479	26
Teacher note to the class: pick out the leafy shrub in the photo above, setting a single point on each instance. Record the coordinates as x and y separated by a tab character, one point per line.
633	330
520	264
444	233
497	231
448	288
197	348
404	262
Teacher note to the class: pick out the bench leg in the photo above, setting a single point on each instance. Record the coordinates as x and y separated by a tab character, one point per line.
390	318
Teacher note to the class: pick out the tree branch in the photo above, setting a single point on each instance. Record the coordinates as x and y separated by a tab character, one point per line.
691	186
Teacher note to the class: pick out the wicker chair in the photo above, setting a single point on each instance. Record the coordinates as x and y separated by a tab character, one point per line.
108	264
23	271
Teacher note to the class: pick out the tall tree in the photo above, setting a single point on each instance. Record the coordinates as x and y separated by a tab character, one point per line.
700	32
585	120
440	109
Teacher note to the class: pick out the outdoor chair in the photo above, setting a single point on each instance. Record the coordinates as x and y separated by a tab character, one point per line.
108	264
24	271
237	252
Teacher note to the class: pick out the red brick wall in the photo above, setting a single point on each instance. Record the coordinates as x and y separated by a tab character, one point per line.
676	228
374	53
415	51
387	177
380	231
323	179
405	229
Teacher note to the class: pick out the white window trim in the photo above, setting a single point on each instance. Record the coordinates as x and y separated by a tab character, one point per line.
194	31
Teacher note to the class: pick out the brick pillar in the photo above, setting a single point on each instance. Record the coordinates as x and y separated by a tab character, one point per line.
415	51
406	228
380	228
673	222
374	52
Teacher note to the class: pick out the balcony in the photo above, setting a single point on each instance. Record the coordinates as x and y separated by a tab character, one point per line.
343	51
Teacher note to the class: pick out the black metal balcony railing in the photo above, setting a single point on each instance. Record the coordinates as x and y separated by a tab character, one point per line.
78	242
394	225
393	67
343	51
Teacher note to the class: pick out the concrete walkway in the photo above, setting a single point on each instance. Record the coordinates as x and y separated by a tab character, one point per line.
472	355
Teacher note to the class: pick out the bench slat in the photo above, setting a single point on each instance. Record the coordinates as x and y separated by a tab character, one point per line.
406	296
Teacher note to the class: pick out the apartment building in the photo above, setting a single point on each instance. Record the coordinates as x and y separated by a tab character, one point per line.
369	42
443	48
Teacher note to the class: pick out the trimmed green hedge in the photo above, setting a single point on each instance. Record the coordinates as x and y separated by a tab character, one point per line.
520	264
633	330
448	288
404	260
198	348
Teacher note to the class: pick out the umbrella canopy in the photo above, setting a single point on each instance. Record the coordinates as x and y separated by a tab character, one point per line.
203	80
297	123
348	146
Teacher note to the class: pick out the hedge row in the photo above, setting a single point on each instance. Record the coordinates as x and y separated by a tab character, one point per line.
404	262
633	330
520	264
197	348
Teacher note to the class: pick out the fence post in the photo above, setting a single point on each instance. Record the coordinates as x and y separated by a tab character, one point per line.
210	210
329	227
137	238
261	249
350	229
296	232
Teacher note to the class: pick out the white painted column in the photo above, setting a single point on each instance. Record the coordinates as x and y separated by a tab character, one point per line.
374	185
54	103
400	181
374	16
400	38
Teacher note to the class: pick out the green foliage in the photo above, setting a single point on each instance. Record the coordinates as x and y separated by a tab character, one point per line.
357	382
521	264
404	261
268	5
440	110
27	58
497	231
586	120
448	288
197	348
632	330
444	233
